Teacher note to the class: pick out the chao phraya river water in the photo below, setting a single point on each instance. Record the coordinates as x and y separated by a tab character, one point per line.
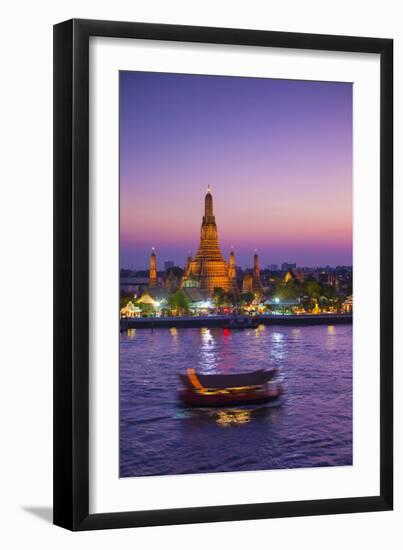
312	427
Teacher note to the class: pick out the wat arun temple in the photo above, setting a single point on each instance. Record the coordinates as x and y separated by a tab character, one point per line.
209	269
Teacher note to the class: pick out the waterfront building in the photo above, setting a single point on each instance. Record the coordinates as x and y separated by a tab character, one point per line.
277	306
129	311
156	297
198	299
347	305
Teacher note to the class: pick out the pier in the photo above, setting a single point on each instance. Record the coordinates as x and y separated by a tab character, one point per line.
221	320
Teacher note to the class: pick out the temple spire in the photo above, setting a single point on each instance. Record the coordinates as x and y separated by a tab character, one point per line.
232	259
208	204
232	271
208	267
256	268
153	269
257	285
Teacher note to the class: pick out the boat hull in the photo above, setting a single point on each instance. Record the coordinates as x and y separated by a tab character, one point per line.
197	399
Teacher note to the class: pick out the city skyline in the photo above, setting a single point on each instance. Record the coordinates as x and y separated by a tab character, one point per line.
277	154
263	265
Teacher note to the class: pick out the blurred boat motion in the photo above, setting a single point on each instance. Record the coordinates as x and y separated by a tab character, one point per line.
217	390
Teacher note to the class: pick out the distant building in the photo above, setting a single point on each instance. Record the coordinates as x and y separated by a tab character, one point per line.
198	298
156	297
347	305
289	276
168	265
171	281
276	303
133	285
272	267
322	277
286	266
277	306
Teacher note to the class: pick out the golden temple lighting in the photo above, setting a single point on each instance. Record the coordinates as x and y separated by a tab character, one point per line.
209	269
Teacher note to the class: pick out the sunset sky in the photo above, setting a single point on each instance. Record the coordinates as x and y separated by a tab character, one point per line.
276	153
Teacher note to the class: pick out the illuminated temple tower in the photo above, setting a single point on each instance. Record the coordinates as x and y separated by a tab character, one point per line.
209	268
251	281
232	273
153	269
256	283
247	284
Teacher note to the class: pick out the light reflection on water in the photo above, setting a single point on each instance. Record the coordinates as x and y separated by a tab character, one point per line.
131	333
311	428
278	349
331	340
208	358
235	416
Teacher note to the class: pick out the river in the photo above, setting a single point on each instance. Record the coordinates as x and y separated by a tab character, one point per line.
310	427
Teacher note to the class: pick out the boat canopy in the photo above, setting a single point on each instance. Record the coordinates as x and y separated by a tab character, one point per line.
221	381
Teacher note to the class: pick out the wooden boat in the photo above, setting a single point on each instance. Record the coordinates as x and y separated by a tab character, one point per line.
241	321
217	390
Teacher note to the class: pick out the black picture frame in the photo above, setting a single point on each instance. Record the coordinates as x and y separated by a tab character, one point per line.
71	274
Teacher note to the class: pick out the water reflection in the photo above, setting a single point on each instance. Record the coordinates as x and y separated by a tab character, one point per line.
208	359
206	336
278	346
228	416
331	337
259	331
312	427
131	333
235	416
277	337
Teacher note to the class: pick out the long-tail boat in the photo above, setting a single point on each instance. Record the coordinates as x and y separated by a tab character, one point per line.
217	390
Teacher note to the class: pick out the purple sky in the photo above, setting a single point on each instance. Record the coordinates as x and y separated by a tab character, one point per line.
276	153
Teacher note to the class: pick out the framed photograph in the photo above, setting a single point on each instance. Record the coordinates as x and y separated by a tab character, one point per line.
222	274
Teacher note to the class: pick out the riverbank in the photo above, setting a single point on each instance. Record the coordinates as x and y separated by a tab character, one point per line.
221	320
